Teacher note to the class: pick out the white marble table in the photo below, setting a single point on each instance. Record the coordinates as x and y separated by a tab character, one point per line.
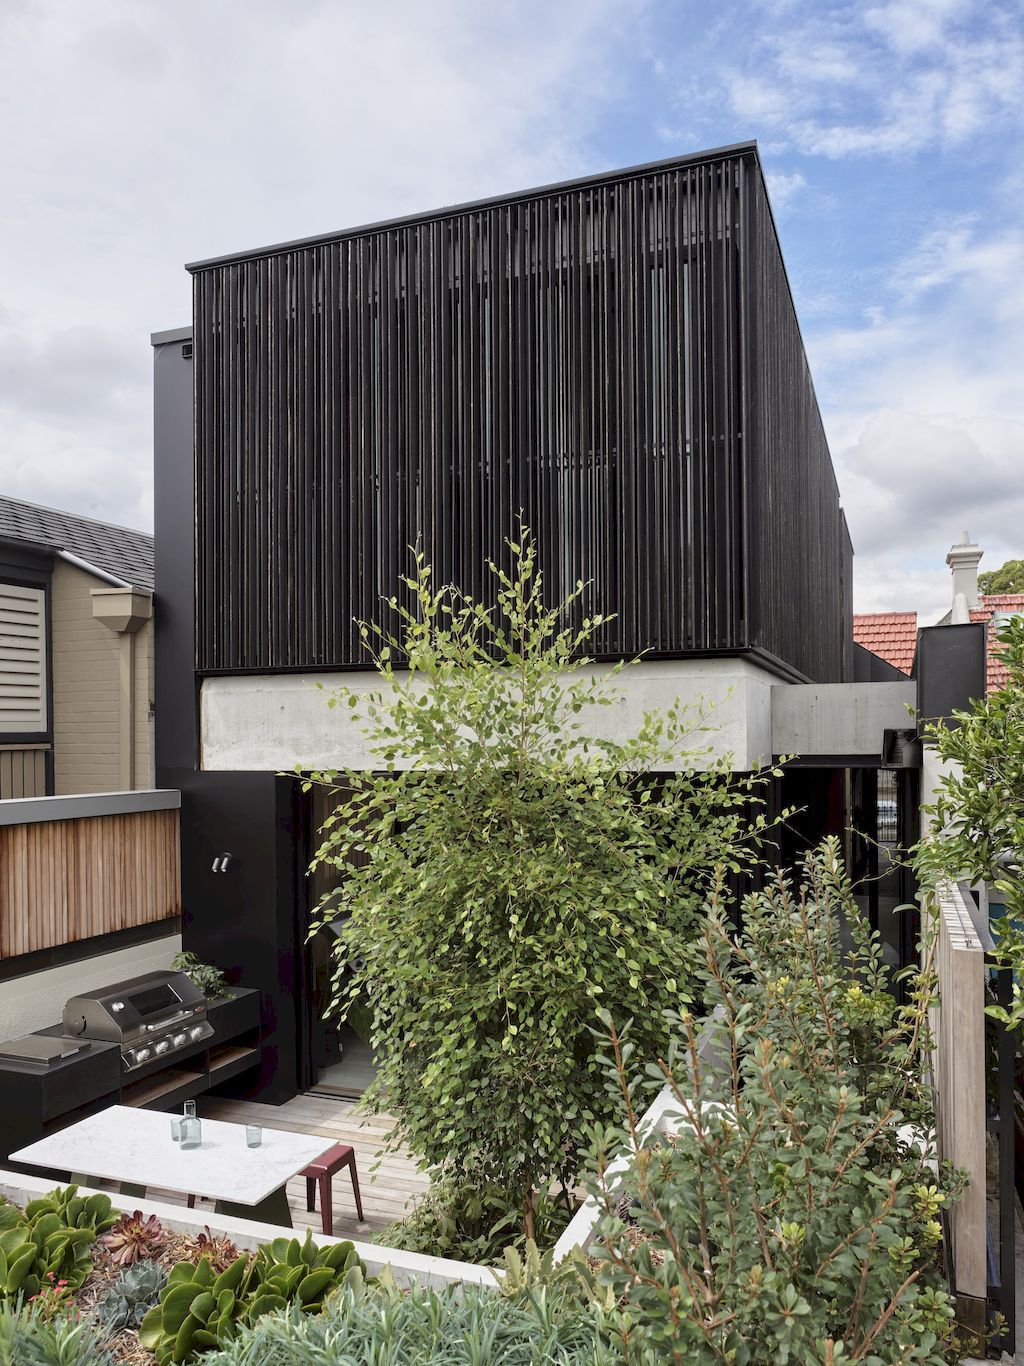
135	1147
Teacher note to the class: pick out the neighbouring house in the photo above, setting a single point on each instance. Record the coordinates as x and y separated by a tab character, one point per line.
892	636
76	654
618	359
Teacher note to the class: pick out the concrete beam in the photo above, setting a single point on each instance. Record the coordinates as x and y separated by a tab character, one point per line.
273	722
839	718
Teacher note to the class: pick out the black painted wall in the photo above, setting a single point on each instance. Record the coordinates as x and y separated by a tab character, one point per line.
244	920
618	358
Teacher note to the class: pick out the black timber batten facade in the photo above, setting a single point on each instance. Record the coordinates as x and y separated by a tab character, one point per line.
617	359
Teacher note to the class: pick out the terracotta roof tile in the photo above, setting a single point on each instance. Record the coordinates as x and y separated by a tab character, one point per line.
991	605
890	635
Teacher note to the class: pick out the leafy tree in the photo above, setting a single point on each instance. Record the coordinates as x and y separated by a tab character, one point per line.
794	1218
978	814
509	870
1008	578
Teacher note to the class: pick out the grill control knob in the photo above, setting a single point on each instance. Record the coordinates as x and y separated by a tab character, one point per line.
197	1031
143	1054
161	1046
179	1039
117	1005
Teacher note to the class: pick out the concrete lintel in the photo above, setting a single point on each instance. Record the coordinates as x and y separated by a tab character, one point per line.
839	718
277	722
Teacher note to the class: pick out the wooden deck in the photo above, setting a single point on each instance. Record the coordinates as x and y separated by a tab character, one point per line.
386	1192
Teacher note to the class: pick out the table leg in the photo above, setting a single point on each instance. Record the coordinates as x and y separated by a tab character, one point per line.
273	1210
125	1187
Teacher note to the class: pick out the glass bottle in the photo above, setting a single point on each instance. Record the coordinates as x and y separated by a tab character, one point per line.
191	1129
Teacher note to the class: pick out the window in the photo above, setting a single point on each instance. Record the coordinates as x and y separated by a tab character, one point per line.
22	660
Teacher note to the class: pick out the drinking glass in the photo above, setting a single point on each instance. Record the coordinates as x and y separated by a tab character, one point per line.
176	1128
253	1135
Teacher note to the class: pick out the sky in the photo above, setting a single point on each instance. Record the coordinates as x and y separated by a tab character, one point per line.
138	135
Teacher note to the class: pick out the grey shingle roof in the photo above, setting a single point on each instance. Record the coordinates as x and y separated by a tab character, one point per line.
120	551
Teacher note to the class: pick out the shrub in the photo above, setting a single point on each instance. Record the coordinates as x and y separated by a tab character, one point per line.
464	1327
518	874
50	1241
794	1220
209	979
131	1296
458	1217
200	1310
29	1339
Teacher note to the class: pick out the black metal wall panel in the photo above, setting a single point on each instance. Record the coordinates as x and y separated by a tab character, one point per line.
581	355
800	556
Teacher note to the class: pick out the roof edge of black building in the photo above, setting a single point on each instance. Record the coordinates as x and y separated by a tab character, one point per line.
735	149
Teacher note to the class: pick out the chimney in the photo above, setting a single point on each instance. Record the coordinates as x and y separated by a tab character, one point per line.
963	561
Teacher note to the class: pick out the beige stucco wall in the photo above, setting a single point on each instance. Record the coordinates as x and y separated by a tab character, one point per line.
87	691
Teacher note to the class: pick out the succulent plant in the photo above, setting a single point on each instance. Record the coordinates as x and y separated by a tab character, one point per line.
50	1241
131	1295
133	1238
200	1310
218	1250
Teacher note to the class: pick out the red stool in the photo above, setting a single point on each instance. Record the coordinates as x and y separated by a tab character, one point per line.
321	1172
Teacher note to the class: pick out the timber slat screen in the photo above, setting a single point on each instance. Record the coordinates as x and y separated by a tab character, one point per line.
598	357
63	881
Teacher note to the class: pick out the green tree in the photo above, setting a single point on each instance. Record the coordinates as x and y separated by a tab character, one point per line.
1008	578
508	871
978	813
794	1218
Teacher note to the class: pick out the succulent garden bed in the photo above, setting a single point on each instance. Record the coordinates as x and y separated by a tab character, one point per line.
119	1283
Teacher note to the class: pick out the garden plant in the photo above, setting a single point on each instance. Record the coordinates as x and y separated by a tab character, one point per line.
509	868
796	1216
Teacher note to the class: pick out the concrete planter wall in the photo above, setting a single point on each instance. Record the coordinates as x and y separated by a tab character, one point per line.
406	1267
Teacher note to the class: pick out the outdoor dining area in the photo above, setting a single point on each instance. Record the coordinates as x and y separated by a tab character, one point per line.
311	1163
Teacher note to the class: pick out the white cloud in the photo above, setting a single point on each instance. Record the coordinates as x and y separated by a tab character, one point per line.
139	135
783	188
925	413
838	81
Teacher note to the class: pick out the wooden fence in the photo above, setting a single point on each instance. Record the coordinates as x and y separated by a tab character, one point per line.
958	1073
66	876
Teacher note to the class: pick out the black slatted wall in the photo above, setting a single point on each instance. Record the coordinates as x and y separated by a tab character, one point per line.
581	355
800	552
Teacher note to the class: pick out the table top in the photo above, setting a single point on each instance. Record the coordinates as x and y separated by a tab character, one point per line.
123	1143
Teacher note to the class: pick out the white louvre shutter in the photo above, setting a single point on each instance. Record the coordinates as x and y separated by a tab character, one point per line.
22	660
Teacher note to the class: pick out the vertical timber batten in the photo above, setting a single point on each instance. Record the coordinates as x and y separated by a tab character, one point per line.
617	360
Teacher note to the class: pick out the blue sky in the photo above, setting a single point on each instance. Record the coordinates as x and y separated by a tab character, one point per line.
140	135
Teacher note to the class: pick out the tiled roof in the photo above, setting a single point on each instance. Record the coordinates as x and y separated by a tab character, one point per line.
991	605
126	554
890	635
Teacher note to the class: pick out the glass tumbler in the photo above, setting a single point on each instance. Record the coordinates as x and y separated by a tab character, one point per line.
253	1135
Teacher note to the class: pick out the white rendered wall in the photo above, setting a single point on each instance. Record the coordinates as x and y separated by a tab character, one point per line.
273	722
37	1000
